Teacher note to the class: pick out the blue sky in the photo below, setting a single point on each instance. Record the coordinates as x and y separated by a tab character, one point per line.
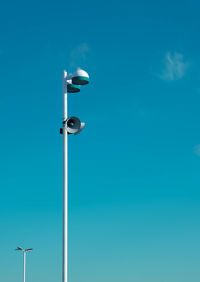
134	198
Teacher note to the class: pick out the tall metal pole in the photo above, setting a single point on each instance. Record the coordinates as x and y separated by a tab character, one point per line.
24	270
65	184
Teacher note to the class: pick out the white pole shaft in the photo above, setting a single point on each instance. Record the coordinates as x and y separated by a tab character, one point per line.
24	268
65	184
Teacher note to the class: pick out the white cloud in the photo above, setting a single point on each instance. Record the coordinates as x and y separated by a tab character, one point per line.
174	66
197	150
79	55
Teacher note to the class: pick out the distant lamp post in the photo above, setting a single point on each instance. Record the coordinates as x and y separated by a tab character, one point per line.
71	125
24	260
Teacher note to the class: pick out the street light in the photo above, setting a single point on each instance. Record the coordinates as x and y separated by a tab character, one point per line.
71	125
24	259
80	77
72	88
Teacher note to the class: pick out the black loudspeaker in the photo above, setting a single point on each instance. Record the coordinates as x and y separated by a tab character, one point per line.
73	125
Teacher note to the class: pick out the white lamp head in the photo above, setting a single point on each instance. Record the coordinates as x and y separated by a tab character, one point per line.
80	77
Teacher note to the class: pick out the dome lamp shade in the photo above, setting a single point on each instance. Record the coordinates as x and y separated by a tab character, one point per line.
72	88
80	77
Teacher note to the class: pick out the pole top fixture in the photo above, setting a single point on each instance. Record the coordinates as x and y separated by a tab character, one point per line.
80	77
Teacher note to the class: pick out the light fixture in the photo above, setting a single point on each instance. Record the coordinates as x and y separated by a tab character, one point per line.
80	77
72	88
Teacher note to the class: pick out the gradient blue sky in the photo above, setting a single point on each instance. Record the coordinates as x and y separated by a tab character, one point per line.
134	174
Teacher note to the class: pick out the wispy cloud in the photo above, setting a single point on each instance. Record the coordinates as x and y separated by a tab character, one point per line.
79	55
175	66
197	150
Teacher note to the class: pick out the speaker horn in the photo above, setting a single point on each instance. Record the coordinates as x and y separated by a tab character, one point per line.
82	126
73	125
